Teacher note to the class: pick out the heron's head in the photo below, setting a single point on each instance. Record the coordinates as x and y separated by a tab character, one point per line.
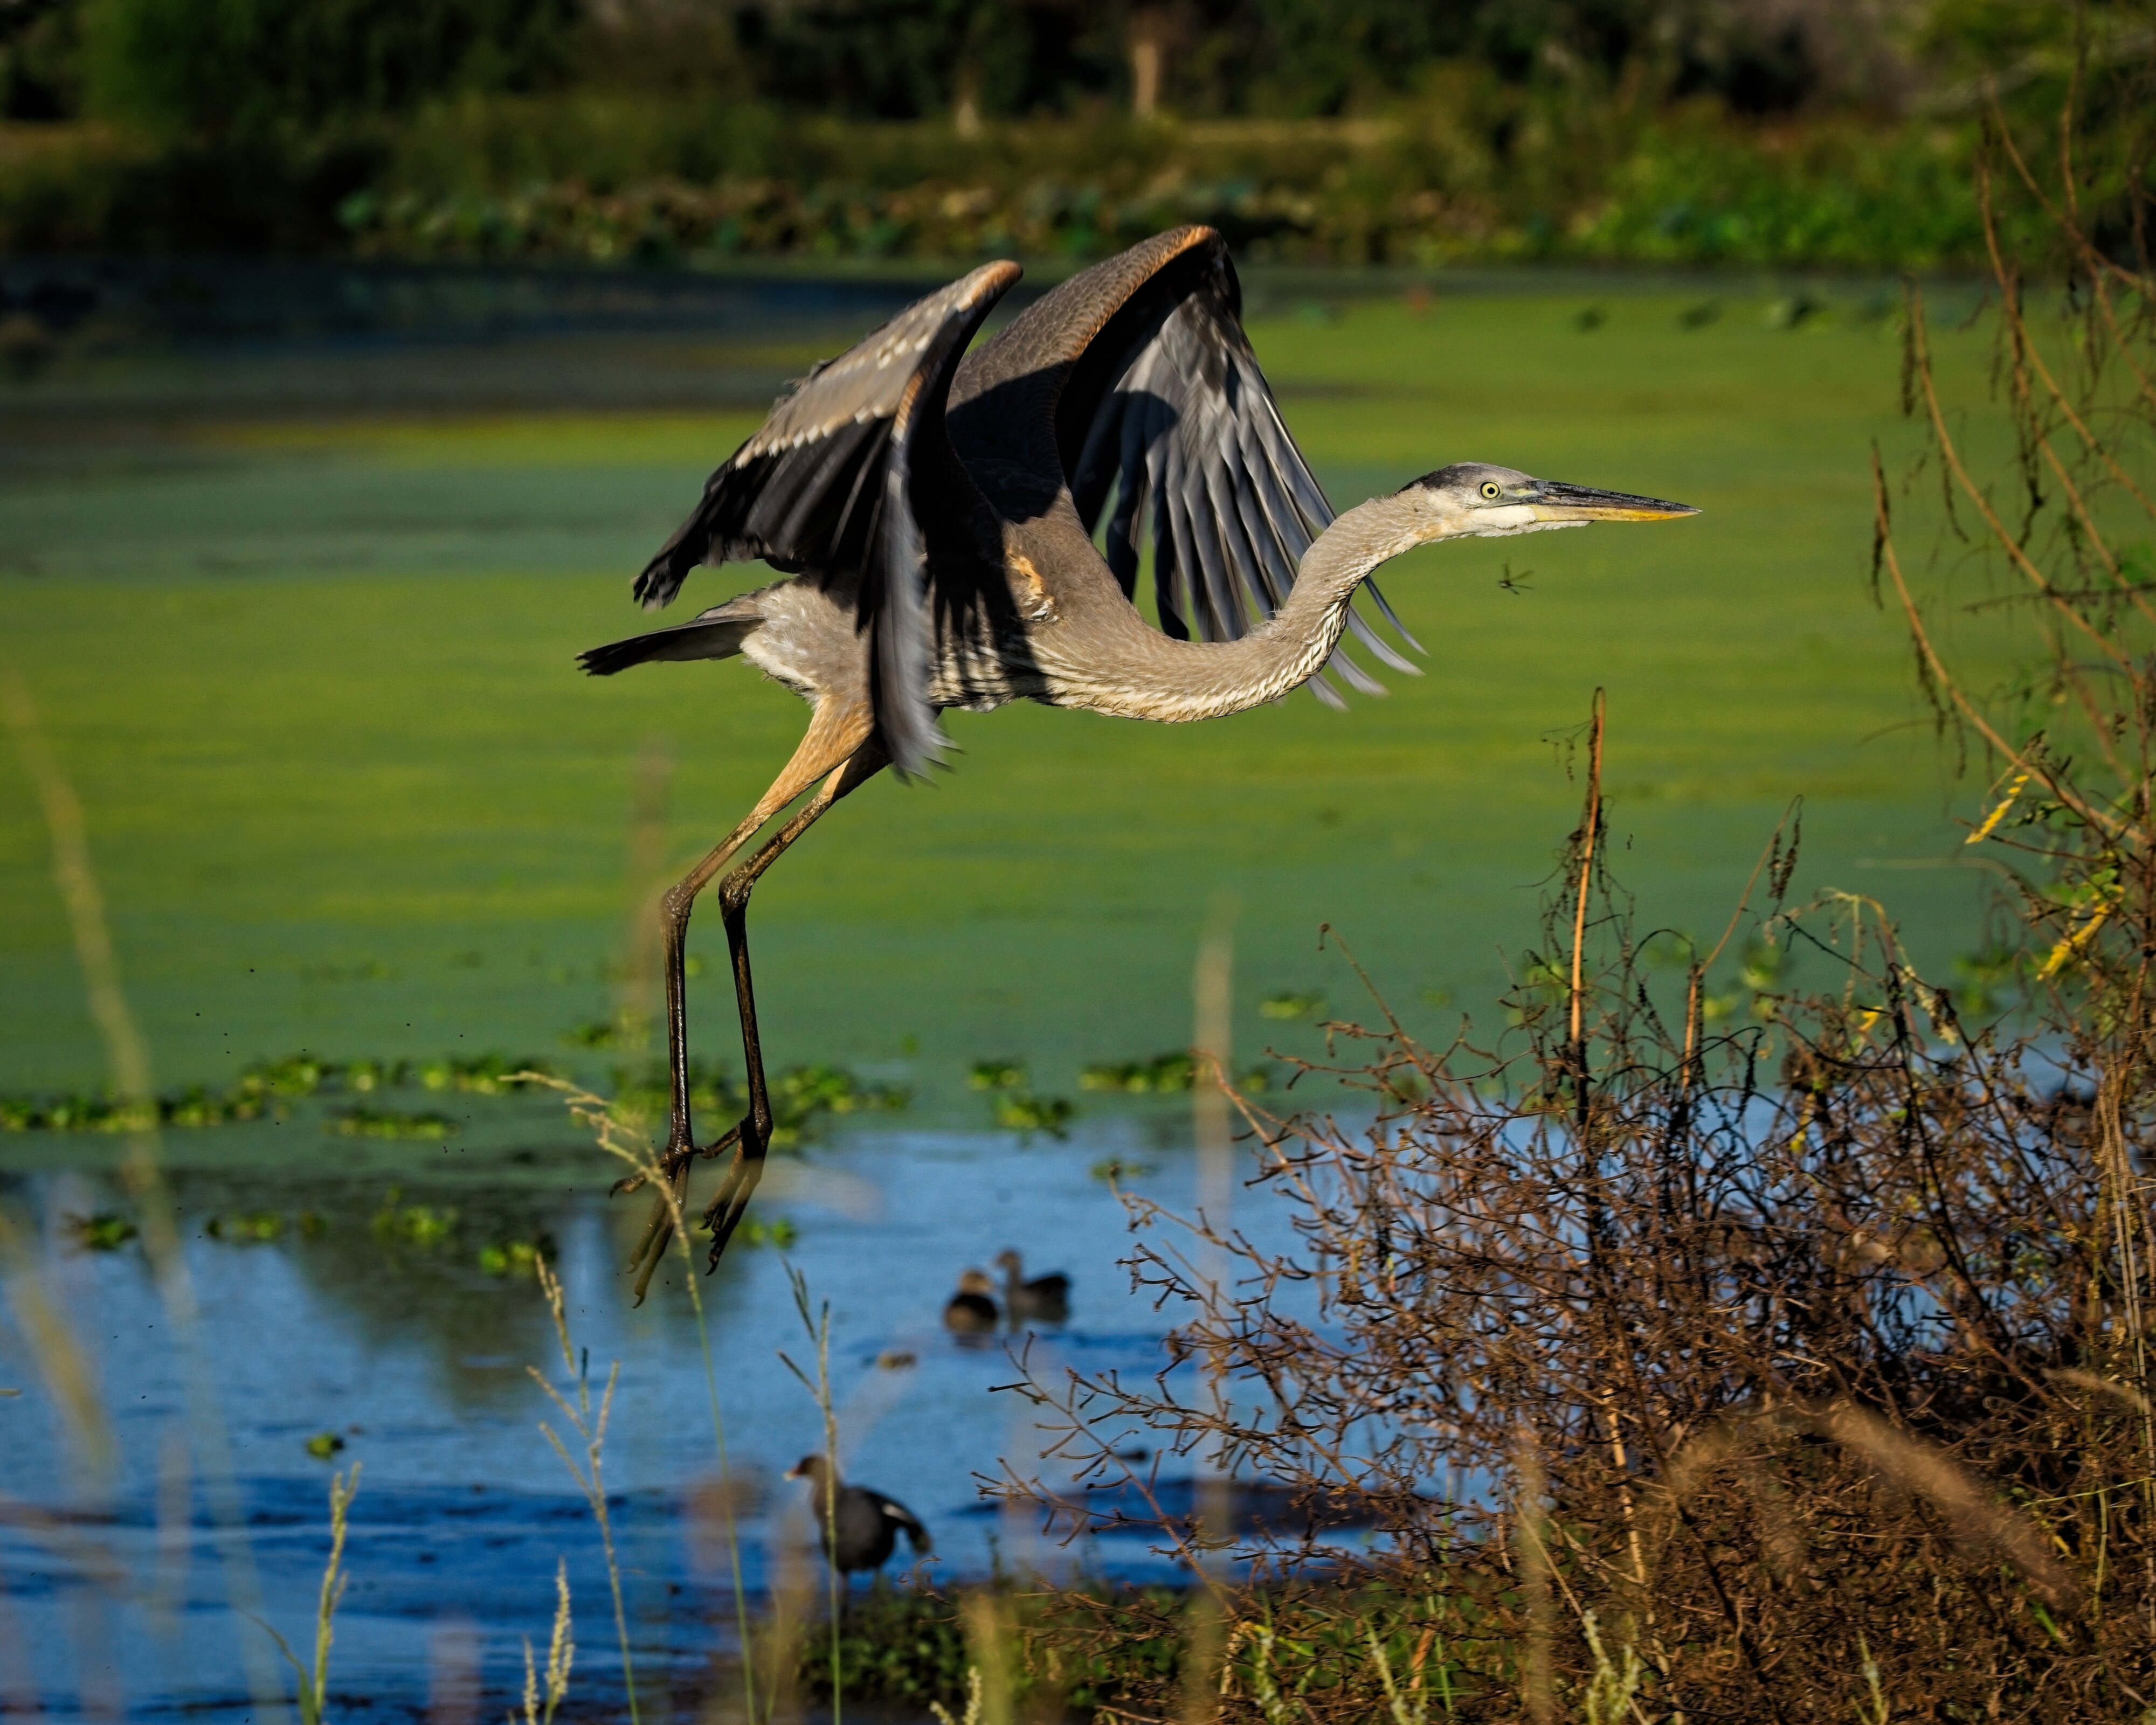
1009	1259
809	1467
1473	499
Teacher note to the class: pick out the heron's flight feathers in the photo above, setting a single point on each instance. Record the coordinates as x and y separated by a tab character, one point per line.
1136	380
826	487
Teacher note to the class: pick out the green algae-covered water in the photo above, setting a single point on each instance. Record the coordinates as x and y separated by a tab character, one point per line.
297	599
299	614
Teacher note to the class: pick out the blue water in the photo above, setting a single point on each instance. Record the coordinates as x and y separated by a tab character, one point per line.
118	1592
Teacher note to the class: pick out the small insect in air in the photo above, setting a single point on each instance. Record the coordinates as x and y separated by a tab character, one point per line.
1516	583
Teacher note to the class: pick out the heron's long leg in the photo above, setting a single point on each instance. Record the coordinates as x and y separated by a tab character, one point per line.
730	1201
750	1137
833	735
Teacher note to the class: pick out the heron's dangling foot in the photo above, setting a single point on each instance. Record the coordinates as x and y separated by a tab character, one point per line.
659	1232
730	1203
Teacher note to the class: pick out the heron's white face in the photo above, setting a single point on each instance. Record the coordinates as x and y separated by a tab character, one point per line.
1473	499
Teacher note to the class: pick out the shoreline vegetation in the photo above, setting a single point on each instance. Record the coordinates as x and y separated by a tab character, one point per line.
1648	132
602	180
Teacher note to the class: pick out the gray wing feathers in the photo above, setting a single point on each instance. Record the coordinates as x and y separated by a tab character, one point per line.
1189	438
718	633
825	488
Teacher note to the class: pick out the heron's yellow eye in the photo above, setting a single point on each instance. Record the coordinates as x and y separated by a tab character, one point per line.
1489	489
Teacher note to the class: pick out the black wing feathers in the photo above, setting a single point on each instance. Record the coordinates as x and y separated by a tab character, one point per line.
1168	412
826	488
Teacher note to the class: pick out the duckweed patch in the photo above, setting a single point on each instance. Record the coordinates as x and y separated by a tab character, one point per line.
1164	1074
997	1075
248	1228
801	1097
422	1127
778	1231
104	1232
423	1225
517	1257
1022	1111
263	1090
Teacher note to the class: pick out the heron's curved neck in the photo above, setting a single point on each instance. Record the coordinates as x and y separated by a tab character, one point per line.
1208	680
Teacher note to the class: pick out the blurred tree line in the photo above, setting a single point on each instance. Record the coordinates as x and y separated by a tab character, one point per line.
218	68
490	126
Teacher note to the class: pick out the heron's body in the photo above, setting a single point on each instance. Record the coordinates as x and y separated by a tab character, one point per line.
936	510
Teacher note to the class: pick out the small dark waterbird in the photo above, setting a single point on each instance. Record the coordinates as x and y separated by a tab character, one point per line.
935	511
860	1525
972	1311
1045	1298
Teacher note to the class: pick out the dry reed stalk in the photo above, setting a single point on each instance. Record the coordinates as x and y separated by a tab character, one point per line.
1591	829
818	1324
637	1004
313	1683
128	1056
1532	1564
69	1380
590	1425
540	1704
633	1147
1212	997
990	1638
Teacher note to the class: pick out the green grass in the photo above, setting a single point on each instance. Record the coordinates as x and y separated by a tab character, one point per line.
346	790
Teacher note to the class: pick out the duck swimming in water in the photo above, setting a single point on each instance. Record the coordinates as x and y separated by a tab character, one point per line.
971	1311
1045	1298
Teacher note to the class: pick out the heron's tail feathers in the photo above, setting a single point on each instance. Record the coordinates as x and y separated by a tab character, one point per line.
718	633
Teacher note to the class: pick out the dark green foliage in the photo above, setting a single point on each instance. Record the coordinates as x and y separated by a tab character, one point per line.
902	1646
277	69
1112	1645
647	131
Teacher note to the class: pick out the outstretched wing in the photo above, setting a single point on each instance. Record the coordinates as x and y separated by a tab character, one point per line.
828	486
1165	424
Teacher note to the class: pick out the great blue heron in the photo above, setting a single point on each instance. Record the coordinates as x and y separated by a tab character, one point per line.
936	510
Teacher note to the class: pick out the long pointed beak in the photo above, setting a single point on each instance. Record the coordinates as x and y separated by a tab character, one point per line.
1560	502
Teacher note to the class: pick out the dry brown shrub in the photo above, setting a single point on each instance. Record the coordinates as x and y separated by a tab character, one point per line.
1801	1352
